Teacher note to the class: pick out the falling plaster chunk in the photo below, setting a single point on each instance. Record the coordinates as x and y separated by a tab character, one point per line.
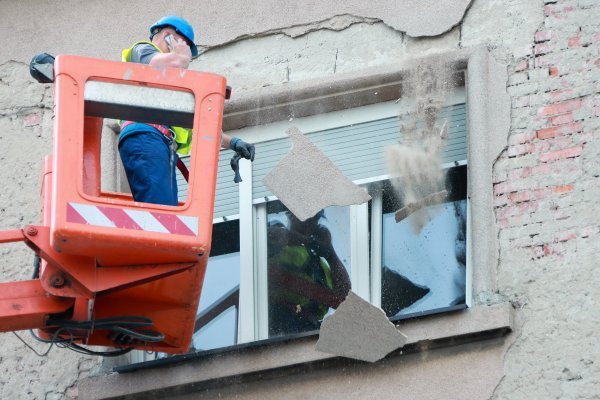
306	181
359	330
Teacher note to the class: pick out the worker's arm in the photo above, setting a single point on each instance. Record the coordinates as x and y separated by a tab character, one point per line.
320	242
339	275
244	149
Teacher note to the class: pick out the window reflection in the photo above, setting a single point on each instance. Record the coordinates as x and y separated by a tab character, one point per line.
424	263
307	267
216	321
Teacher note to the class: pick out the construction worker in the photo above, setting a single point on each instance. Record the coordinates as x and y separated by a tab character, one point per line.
148	151
305	275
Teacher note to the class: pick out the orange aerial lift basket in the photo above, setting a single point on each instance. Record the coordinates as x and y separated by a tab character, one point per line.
115	272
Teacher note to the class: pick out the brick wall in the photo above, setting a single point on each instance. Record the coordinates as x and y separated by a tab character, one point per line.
554	122
547	196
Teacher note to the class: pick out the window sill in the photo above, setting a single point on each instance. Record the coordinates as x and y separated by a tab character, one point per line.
183	373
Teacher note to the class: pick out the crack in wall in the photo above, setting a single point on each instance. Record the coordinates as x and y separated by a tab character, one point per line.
334	24
335	60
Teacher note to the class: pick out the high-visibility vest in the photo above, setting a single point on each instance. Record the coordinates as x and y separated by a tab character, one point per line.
183	136
300	261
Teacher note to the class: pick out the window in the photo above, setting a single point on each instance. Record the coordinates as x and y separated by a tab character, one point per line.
273	283
307	267
355	140
465	218
216	323
423	267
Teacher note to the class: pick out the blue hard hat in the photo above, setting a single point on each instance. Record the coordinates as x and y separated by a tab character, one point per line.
181	26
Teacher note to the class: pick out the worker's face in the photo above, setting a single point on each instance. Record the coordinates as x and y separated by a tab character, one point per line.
159	38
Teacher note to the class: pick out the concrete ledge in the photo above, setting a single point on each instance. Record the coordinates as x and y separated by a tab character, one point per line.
203	370
338	92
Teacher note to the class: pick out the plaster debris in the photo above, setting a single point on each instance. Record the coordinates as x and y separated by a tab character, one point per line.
359	330
430	200
414	163
306	181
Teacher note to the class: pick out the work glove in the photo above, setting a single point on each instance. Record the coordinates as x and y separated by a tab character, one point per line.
244	149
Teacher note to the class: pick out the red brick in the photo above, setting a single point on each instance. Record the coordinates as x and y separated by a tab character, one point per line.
560	108
520	149
547	60
519	173
543	36
543	146
541	193
516	210
542	48
561	119
597	63
556	10
561	142
559	95
520	197
522	66
553	71
541	169
563	189
503	187
575	41
565	236
500	201
561	154
503	223
559	130
520	138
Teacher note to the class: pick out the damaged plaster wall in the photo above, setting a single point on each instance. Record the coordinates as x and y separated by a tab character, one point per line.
545	194
101	32
25	138
278	58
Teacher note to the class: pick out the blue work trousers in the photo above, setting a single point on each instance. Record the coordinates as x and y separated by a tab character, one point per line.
150	163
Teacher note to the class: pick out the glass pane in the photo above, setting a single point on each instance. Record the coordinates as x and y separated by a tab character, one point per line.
424	255
308	264
216	321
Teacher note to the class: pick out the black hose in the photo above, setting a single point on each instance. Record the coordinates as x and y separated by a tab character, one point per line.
36	267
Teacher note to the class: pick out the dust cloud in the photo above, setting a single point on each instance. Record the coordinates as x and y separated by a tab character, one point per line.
414	164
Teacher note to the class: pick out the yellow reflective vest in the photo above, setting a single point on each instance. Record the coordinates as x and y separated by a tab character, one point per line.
183	136
299	261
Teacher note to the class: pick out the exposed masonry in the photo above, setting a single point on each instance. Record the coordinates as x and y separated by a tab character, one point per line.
555	111
547	191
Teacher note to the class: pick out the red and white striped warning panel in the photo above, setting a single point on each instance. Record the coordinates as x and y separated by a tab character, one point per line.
123	218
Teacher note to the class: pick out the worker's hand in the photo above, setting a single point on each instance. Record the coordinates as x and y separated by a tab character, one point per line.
181	48
244	149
